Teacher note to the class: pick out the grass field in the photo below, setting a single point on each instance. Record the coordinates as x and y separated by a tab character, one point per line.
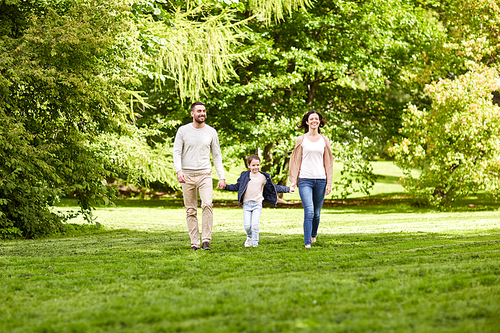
383	268
380	265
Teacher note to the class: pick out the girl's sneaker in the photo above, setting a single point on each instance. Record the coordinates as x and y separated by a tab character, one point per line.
248	242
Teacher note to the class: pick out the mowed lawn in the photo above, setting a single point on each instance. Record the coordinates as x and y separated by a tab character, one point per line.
382	268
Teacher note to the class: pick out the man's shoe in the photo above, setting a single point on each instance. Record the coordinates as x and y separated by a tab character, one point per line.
308	246
248	242
194	248
206	246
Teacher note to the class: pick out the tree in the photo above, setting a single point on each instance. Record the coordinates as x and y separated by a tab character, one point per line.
456	143
473	30
66	72
471	42
350	60
192	47
69	72
193	43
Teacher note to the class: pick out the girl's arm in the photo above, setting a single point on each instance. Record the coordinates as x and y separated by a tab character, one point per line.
233	187
278	188
282	189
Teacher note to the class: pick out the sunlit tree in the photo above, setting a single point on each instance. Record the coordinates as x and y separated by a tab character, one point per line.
456	143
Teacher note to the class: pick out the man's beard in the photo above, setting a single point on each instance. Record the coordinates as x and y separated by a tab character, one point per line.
199	121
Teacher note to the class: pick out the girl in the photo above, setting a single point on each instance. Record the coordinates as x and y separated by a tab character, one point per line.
255	187
311	167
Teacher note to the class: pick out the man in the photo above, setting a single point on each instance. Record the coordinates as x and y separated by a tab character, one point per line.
192	146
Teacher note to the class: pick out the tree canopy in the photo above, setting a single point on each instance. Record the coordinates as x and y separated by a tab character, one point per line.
355	62
456	142
66	70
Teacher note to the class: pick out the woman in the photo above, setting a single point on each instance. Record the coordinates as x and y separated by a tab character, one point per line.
311	168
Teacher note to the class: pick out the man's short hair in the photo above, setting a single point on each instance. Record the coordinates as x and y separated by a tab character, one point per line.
195	104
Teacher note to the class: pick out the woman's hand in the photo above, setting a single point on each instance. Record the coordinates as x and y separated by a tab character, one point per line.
292	187
328	189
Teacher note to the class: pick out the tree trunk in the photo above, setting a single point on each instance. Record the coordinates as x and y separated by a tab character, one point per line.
267	157
311	92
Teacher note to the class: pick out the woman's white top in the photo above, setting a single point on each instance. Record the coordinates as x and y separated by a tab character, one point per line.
312	159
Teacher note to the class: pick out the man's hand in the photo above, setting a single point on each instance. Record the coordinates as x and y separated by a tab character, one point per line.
292	188
181	177
221	184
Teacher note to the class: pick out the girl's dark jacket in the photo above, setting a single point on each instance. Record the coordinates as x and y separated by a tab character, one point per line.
270	191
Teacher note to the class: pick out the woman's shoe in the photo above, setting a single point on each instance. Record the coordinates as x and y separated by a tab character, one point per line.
308	246
313	239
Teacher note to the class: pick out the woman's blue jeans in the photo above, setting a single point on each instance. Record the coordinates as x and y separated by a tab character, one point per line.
312	194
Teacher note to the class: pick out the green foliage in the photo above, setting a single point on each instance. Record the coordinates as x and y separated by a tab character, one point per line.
276	139
138	156
69	71
269	9
350	60
25	184
194	43
66	72
456	143
357	174
473	32
193	53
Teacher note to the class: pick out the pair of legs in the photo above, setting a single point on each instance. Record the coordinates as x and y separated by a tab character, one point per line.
201	184
312	194
251	217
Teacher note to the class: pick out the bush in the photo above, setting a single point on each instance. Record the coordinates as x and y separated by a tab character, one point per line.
66	71
456	143
24	185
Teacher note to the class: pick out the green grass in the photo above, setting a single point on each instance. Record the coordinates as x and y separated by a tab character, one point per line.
383	268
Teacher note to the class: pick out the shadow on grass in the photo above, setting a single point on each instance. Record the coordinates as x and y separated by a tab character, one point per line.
388	203
377	204
142	203
131	243
387	179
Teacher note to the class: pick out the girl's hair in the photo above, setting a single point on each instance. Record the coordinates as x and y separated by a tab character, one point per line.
303	123
251	158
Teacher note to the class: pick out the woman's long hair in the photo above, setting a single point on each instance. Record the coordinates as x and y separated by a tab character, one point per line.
303	124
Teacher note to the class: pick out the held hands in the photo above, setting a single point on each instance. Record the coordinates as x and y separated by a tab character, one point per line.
328	189
221	184
181	177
